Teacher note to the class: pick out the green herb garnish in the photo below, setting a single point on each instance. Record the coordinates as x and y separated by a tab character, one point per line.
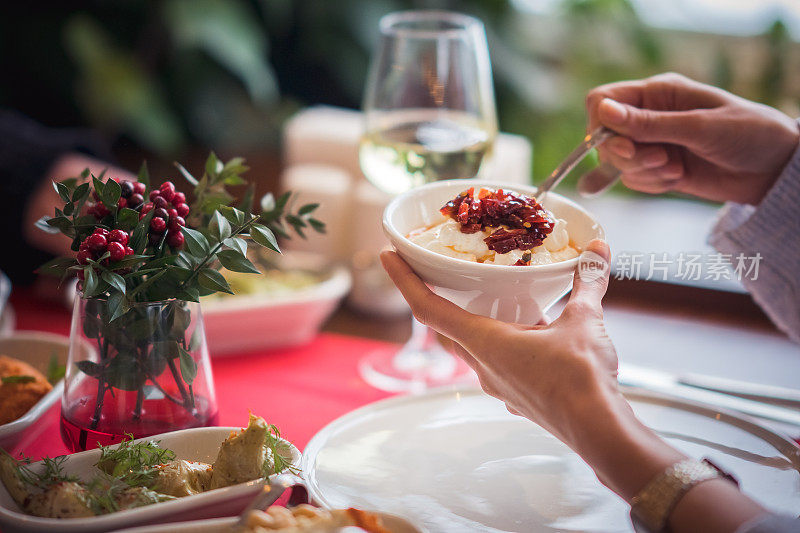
18	379
55	370
134	463
51	473
276	445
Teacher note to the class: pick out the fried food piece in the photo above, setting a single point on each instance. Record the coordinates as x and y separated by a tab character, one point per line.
308	519
62	500
242	456
17	398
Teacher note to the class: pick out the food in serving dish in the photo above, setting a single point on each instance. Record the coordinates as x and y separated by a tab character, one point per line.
21	386
136	474
309	519
499	227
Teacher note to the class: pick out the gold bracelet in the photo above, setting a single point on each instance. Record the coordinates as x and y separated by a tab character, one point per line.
654	503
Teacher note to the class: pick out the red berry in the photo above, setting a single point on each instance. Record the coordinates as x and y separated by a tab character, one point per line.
154	195
135	200
178	198
160	212
119	236
176	223
117	251
96	242
99	211
167	186
161	202
158	225
128	250
175	239
182	210
172	213
126	189
102	231
122	202
139	188
84	256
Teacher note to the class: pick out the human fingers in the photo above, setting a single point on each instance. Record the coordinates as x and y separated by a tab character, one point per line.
685	128
591	281
440	314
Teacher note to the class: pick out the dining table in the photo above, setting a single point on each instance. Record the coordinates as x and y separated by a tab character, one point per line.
300	389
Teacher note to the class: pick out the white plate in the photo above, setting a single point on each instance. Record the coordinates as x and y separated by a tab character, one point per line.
197	444
456	460
35	348
393	523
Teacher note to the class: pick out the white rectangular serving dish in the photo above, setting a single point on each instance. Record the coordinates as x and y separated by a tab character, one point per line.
35	348
197	444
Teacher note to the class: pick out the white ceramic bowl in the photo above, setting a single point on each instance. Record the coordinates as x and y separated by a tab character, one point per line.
261	321
509	293
197	444
35	348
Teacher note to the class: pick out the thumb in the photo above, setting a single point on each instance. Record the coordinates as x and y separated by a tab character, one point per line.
649	126
591	280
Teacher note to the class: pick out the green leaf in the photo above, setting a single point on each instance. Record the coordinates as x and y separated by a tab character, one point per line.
264	236
117	303
62	190
306	209
188	366
186	174
213	201
318	226
161	261
211	279
127	219
146	283
91	325
139	238
123	372
111	194
98	186
69	208
128	261
80	192
85	173
235	243
144	175
233	215
44	225
63	224
189	294
196	340
89	281
57	266
213	166
89	368
196	242
115	280
219	227
236	262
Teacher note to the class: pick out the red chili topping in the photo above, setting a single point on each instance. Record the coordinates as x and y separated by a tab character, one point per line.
520	221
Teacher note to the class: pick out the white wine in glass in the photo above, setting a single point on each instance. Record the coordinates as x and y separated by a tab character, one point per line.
429	115
423	147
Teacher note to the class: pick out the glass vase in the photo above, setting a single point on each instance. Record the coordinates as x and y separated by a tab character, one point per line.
145	372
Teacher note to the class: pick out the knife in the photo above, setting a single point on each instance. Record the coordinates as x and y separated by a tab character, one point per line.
670	384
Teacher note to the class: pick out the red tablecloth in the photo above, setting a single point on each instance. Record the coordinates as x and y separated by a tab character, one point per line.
298	389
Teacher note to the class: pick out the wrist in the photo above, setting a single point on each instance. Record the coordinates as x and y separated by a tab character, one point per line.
624	453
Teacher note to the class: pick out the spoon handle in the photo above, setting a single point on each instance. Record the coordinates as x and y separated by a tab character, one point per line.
595	138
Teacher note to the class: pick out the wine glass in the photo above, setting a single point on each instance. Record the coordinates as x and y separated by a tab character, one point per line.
430	115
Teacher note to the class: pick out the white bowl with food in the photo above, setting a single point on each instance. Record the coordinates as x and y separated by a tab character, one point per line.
287	306
467	268
215	471
31	372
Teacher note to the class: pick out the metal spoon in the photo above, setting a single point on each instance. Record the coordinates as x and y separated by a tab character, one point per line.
594	139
